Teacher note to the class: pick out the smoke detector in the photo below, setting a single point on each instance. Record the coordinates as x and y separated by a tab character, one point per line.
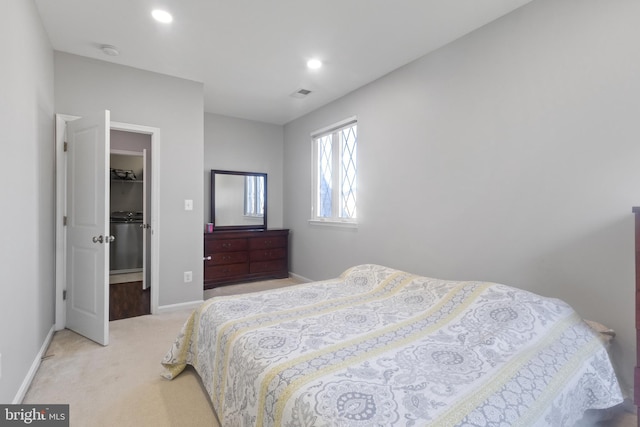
110	50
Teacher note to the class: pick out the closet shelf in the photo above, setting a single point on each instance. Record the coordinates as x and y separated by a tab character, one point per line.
128	180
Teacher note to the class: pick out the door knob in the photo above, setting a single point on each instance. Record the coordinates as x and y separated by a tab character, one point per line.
98	239
109	239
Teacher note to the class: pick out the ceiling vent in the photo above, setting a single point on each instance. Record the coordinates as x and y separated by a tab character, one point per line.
301	93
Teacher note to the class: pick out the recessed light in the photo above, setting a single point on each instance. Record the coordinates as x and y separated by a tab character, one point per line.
314	64
162	16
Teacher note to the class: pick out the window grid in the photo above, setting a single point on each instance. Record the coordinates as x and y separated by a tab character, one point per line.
325	178
348	137
336	170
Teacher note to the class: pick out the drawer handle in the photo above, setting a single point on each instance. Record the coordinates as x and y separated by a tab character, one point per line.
226	258
226	245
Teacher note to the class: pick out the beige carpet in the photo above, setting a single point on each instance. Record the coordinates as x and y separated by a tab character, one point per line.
120	385
249	287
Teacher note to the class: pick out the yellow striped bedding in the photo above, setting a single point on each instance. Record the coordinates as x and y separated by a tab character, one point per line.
382	347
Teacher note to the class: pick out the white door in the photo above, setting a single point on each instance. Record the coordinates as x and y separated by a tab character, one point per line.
87	256
145	222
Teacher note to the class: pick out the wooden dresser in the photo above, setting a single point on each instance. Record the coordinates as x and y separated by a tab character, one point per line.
237	256
636	381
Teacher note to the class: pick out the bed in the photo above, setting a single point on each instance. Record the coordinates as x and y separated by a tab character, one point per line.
382	347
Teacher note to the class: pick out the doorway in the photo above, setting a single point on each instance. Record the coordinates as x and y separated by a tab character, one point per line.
129	254
152	270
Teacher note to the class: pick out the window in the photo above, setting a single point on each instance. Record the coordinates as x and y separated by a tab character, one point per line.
254	196
335	173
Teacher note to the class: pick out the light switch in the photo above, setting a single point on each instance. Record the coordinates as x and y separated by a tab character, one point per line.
188	205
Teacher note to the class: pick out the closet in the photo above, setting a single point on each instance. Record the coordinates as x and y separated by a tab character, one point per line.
129	294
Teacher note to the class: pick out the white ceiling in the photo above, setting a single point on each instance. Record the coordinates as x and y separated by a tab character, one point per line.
251	54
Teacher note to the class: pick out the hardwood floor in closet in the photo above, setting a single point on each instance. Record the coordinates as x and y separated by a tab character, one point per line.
128	300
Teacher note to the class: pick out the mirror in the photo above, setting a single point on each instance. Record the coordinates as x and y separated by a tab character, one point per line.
238	200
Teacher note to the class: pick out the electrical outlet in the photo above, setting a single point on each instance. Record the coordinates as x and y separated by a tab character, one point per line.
188	276
188	205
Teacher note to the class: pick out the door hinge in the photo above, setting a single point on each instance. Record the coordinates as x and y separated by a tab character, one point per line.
64	220
66	146
64	295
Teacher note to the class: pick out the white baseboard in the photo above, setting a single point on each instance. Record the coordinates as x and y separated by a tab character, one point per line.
180	306
26	383
196	304
299	277
629	406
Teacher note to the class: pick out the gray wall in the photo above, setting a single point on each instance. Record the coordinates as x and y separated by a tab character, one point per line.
249	146
84	85
510	155
130	141
27	192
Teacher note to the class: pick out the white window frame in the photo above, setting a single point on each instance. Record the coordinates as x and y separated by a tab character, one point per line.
254	206
335	219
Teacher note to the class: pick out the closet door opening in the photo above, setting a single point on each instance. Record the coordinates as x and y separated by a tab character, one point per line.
129	254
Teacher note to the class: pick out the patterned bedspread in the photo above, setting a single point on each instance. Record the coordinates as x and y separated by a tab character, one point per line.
381	347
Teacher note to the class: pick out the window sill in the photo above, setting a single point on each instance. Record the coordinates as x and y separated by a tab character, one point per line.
333	223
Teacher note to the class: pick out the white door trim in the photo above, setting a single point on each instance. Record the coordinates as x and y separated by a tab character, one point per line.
61	202
61	242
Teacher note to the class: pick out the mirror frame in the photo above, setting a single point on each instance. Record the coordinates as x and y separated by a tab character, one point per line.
213	201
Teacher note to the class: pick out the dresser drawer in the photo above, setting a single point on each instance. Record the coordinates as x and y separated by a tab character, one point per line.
269	266
224	245
267	242
222	271
221	258
268	254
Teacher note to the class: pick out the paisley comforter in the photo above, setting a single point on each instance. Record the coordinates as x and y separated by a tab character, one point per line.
381	347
